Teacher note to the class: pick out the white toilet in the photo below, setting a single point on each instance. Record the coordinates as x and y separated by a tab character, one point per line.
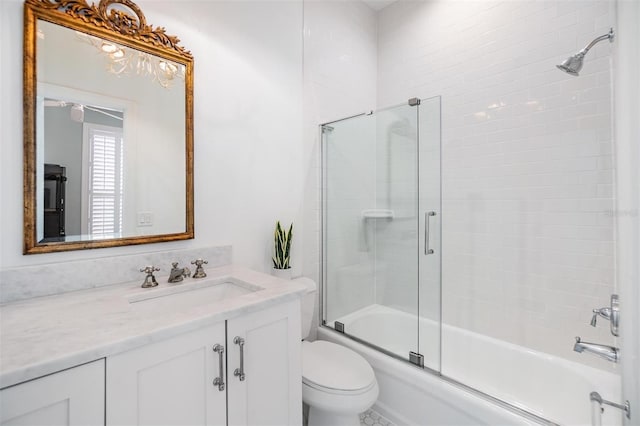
337	383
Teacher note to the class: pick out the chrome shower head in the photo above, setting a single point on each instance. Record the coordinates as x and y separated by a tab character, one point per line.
573	64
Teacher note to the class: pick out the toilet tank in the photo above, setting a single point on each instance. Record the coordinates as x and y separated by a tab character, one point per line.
308	304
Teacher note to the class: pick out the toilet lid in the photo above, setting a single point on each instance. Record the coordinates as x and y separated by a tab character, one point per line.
328	365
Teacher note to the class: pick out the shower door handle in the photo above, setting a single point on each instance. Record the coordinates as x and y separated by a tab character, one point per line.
427	215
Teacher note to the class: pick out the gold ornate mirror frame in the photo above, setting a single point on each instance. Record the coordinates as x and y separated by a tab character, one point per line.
113	24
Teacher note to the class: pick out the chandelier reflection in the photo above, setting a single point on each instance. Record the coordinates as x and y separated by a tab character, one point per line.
122	60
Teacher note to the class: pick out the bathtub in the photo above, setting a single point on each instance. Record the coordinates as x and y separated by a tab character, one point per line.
544	385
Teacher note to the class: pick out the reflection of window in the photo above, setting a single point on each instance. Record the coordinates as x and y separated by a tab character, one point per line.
102	211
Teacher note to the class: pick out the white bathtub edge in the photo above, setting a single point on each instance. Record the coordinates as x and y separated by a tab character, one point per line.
439	403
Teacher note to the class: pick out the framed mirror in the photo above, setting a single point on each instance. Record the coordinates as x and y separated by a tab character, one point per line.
108	128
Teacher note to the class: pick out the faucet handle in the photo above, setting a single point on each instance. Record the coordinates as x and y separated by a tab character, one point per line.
199	273
149	269
603	312
611	313
149	280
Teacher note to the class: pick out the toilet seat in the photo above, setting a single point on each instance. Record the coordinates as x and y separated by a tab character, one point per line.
334	369
338	391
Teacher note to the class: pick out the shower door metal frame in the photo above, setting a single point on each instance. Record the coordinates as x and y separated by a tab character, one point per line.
322	128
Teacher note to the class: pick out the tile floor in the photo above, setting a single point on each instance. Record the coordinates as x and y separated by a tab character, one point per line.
368	418
372	418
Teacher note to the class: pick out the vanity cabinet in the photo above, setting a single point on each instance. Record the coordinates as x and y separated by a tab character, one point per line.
167	382
271	393
73	397
171	382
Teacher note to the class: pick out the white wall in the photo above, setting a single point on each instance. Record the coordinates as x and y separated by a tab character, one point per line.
339	81
627	138
248	127
526	159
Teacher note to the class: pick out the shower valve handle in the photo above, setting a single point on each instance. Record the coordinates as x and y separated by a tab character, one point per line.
612	313
603	312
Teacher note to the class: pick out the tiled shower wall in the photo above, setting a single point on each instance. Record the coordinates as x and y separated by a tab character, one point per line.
526	157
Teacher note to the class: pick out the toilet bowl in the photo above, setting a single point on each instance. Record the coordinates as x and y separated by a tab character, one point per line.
337	383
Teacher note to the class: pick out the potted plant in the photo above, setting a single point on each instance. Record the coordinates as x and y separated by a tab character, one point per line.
282	251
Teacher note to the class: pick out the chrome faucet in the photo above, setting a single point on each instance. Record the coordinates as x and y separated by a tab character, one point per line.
603	351
178	274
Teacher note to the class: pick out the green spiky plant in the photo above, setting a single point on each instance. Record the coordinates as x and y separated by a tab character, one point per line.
282	247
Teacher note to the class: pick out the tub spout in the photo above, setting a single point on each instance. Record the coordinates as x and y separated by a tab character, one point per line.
603	351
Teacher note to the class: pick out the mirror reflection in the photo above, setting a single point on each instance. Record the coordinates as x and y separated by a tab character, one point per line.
110	136
83	171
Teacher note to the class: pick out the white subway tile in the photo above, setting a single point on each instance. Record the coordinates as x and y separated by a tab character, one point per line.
526	153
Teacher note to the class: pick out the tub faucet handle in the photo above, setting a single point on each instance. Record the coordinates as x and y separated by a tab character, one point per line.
603	312
612	313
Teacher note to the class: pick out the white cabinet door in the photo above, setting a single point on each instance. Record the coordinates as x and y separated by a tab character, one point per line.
73	397
169	382
271	392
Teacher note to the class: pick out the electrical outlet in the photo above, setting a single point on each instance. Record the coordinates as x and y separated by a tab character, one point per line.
145	219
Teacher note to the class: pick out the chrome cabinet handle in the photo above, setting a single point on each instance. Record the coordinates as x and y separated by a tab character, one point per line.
219	381
239	372
427	215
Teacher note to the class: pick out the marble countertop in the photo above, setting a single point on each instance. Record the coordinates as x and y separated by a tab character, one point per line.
47	334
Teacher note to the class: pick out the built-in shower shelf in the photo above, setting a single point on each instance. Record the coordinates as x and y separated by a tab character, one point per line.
377	214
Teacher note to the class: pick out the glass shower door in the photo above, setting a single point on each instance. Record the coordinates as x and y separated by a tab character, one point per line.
429	252
349	170
371	225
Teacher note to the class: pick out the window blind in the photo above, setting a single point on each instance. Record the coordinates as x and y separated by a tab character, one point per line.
105	182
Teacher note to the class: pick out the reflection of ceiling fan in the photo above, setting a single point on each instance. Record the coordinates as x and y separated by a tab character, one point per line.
77	110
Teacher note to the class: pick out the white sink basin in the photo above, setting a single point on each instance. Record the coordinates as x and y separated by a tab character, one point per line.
191	294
